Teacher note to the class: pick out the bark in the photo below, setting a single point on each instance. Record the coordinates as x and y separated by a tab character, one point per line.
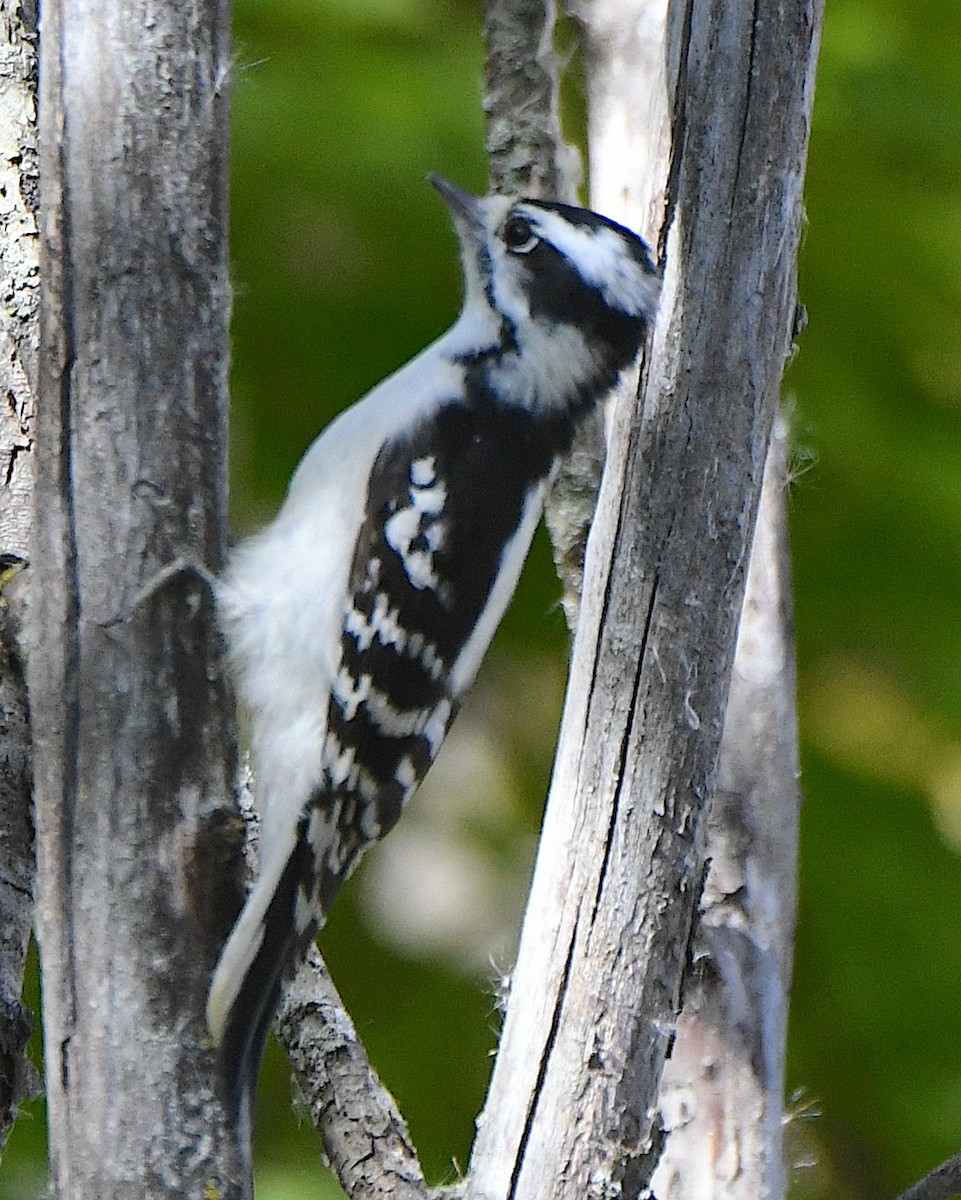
367	1142
722	1095
19	337
943	1183
571	1110
723	1085
17	1076
525	145
628	111
133	756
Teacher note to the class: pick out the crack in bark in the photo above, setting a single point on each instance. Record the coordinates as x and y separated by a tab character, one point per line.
678	132
543	1065
755	21
624	751
67	353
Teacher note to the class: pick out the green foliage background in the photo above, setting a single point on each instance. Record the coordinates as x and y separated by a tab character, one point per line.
344	266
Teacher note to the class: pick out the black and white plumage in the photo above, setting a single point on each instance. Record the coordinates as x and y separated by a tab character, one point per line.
358	619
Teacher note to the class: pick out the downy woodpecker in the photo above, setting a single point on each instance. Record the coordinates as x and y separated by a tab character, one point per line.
357	620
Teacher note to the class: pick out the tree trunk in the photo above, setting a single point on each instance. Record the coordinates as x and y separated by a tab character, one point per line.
19	338
133	753
596	991
722	1093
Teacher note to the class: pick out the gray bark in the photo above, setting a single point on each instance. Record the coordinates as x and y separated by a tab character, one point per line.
722	1095
722	1091
943	1183
366	1139
17	1076
133	755
571	1110
525	146
19	337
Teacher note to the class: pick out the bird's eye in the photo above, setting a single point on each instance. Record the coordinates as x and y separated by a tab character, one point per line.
518	235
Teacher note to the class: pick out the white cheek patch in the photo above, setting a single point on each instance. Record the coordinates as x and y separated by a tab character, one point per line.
601	258
553	360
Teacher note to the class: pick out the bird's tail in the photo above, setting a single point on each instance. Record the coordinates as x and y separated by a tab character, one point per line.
264	946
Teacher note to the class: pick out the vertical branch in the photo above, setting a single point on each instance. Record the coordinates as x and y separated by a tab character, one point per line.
596	991
528	156
724	1082
525	143
628	110
133	752
19	338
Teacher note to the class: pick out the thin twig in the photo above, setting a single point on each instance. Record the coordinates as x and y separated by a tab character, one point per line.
365	1136
529	156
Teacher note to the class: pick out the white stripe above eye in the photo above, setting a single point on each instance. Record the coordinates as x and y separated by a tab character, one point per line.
602	259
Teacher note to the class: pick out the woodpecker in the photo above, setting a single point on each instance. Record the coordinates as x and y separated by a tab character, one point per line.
357	620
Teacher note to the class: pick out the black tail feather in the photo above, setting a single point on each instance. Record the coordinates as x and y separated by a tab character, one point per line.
253	1010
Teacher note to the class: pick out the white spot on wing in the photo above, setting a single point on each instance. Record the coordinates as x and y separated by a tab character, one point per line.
398	723
405	774
305	910
366	785
350	693
400	530
423	471
384	625
318	832
427	498
436	727
360	628
337	760
370	826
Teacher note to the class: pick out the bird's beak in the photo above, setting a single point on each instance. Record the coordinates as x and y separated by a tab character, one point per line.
464	207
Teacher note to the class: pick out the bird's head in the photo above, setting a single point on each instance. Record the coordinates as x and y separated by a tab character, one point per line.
557	299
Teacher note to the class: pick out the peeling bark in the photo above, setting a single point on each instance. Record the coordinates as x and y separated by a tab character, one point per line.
19	338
